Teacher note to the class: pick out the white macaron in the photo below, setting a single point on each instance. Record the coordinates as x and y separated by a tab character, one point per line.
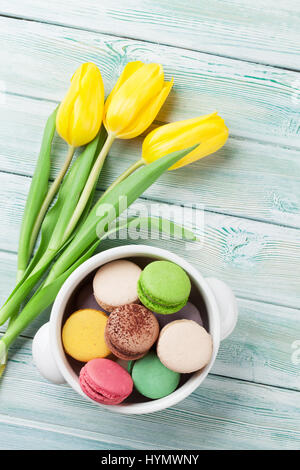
184	346
115	284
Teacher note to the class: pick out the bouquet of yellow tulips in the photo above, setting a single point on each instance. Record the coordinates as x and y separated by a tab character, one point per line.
72	228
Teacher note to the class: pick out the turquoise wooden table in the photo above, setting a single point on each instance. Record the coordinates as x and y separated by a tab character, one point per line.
243	59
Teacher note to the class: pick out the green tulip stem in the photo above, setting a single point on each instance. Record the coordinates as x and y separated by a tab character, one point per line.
90	184
126	173
47	201
80	248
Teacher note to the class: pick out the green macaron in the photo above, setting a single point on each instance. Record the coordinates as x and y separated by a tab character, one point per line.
152	379
164	287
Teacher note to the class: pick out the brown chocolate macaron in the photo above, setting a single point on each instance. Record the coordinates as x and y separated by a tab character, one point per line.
130	331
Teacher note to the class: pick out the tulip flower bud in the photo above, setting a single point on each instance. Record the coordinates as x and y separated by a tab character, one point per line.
209	131
135	100
80	113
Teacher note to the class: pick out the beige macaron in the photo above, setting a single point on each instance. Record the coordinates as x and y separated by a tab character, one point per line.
115	284
184	346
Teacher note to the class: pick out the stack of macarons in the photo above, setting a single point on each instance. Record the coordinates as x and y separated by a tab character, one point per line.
136	329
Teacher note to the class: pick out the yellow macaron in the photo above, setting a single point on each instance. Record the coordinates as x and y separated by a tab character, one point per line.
83	335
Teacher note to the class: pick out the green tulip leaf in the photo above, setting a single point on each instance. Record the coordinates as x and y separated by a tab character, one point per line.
37	192
56	219
111	205
58	216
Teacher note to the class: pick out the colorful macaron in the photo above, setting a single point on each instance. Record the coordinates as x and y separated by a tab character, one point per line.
115	284
184	346
105	381
83	335
121	314
130	332
151	378
164	287
188	312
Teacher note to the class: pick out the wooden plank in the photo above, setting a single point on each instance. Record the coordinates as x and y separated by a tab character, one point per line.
259	350
261	347
257	416
21	434
260	261
267	33
256	101
222	413
245	178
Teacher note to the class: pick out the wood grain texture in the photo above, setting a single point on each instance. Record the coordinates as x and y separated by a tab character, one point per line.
22	434
256	101
245	178
251	399
265	32
259	350
260	261
221	414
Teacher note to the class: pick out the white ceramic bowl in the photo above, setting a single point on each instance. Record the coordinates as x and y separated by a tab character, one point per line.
48	352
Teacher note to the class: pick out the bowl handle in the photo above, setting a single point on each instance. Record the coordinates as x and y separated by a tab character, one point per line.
227	304
43	357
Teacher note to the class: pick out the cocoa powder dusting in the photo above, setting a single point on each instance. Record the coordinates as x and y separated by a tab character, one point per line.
132	329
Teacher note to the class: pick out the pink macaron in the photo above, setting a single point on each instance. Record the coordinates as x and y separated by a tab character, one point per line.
105	381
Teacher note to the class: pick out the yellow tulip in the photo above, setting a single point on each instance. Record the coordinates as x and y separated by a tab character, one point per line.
78	121
135	100
80	113
209	131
